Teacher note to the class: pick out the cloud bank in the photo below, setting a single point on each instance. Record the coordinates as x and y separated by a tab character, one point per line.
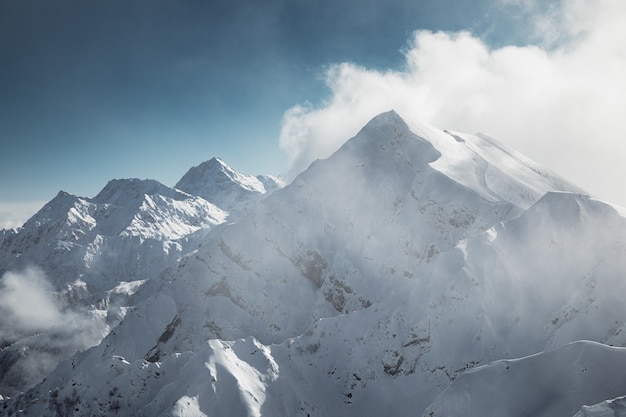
560	100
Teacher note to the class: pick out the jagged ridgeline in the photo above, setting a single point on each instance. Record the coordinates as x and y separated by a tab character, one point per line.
413	272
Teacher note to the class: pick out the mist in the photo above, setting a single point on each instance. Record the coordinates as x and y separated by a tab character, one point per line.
36	331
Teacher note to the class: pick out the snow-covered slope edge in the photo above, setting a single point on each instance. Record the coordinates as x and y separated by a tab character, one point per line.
609	408
550	384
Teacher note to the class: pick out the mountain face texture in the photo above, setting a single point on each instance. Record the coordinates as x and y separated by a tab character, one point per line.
413	272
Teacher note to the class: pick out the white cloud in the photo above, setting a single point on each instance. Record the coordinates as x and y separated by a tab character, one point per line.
34	322
560	102
26	301
29	305
15	214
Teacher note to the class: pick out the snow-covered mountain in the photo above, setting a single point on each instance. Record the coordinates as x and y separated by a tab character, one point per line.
93	254
405	274
225	187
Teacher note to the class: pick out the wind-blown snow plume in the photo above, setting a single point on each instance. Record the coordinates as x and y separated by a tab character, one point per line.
559	102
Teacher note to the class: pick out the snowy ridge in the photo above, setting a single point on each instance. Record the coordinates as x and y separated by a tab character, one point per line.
608	408
69	234
154	210
401	275
94	254
125	191
225	187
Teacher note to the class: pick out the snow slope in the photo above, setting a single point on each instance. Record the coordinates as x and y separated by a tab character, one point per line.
609	408
553	383
372	284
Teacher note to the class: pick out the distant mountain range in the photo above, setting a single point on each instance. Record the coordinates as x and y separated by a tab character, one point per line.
414	272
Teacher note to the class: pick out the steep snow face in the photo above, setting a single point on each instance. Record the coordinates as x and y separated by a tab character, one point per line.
532	283
225	187
369	285
217	378
550	384
524	286
609	408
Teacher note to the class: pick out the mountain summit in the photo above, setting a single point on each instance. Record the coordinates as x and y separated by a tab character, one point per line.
225	187
413	271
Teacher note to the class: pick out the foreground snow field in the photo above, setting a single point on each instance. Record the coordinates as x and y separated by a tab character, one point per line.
415	271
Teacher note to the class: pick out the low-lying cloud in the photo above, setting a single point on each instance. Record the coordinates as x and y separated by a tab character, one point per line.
560	101
26	303
36	331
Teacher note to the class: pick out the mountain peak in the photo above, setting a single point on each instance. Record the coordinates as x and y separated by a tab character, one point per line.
216	160
216	168
387	118
220	184
387	140
62	202
384	125
214	164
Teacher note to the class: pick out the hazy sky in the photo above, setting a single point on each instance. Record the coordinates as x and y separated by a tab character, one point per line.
102	89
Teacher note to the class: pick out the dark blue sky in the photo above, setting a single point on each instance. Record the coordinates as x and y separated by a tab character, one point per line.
95	90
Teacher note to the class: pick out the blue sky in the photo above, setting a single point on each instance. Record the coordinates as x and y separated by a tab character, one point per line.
96	90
